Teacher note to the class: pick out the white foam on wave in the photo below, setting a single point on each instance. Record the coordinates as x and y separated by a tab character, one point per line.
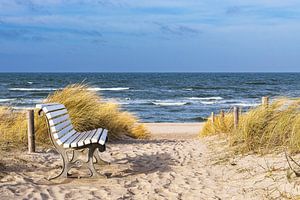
23	107
6	100
230	101
31	101
29	82
205	98
208	102
109	89
123	103
33	89
169	103
21	101
136	101
119	101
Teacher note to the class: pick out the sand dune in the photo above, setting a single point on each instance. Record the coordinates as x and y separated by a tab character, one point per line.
164	167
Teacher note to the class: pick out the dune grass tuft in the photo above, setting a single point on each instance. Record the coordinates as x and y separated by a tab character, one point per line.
87	111
13	126
221	124
262	128
265	128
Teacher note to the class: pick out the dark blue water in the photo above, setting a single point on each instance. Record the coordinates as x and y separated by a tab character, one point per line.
157	97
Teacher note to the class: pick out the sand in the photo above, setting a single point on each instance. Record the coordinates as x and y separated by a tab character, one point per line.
174	130
173	164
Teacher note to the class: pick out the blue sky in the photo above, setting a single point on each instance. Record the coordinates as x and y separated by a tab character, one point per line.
150	35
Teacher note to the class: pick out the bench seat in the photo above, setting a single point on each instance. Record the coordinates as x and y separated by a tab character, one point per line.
63	131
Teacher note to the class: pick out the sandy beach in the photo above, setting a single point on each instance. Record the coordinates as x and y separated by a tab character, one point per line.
173	164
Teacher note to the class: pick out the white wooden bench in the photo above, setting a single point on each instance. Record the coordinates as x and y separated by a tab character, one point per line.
68	141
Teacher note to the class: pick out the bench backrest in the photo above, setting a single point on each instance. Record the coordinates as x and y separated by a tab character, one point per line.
58	119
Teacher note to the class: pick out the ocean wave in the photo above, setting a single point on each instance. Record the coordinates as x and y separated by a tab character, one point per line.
230	101
141	102
129	101
33	89
256	83
205	87
198	119
117	101
22	107
22	101
169	103
205	98
123	103
208	102
109	89
6	100
54	89
30	101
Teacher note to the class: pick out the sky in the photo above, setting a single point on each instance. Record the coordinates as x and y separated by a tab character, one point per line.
149	36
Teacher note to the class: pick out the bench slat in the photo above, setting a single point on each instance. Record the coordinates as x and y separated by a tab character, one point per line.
81	141
62	132
67	143
65	137
82	135
103	137
54	114
97	135
59	127
88	139
41	106
53	122
52	108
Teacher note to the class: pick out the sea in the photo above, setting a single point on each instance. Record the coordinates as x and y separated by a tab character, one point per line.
156	97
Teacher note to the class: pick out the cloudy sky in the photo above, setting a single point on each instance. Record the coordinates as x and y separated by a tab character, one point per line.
150	35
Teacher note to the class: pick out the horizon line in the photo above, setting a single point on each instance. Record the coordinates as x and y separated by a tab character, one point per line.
57	72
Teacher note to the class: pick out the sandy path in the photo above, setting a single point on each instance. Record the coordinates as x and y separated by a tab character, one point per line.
159	168
174	130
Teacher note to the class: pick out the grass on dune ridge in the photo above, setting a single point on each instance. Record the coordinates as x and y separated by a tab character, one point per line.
221	124
87	111
262	128
13	126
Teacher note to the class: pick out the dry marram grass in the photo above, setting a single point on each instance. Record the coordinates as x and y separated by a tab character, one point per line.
87	111
221	124
263	128
13	126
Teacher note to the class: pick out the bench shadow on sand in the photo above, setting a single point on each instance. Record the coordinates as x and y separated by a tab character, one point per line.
145	164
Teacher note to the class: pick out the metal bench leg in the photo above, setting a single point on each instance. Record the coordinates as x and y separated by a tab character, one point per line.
90	163
99	160
66	167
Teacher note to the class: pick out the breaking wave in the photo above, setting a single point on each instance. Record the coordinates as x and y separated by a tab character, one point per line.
109	89
205	98
33	89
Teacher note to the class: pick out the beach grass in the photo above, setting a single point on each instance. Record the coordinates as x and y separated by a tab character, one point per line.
263	128
87	111
220	124
13	126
